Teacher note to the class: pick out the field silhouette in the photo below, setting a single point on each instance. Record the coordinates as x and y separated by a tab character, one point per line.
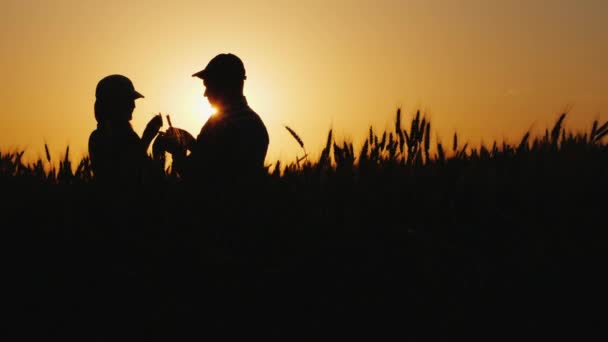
395	239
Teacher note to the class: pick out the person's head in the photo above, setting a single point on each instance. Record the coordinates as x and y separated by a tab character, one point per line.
223	77
115	99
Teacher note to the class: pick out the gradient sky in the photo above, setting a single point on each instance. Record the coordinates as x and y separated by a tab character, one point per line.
487	69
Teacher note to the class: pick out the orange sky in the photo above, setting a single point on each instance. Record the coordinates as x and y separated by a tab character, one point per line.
488	69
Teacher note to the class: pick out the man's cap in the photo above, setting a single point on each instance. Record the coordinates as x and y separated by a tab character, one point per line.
116	86
223	66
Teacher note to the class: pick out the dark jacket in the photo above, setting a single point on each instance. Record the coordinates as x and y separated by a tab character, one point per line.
231	146
117	153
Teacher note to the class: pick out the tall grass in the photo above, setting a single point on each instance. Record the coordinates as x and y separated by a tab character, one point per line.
401	148
411	149
403	233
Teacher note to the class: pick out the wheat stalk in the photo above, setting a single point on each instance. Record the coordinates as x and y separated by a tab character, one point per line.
524	142
557	128
295	136
48	154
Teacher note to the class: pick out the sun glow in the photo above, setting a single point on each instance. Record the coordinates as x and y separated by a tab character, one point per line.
465	60
192	115
202	109
182	100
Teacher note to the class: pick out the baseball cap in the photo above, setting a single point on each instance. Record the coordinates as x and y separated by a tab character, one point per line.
222	66
116	86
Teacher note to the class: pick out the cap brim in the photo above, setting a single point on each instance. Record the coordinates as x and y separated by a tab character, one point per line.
200	74
137	95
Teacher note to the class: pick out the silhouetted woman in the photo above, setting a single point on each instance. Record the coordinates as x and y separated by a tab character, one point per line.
117	153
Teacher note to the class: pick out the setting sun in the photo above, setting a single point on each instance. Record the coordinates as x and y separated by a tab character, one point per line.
351	169
487	69
184	102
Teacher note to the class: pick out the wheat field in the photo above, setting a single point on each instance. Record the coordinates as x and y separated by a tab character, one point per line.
403	236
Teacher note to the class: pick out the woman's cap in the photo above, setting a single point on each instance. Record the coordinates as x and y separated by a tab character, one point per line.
116	86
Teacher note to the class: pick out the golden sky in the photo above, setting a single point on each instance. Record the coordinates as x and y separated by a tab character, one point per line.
487	69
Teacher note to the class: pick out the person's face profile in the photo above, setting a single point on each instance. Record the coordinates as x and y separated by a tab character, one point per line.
211	94
125	108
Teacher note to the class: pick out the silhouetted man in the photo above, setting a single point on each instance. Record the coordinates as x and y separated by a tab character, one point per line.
117	153
232	144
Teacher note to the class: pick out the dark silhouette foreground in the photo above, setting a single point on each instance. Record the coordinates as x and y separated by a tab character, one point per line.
492	244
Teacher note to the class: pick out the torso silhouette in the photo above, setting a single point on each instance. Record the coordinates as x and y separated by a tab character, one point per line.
117	153
231	146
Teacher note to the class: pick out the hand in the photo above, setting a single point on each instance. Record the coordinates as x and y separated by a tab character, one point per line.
175	141
181	137
153	127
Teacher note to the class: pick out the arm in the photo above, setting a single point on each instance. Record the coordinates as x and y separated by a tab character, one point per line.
151	131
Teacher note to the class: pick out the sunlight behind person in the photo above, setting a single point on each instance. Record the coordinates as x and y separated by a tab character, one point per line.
487	69
182	100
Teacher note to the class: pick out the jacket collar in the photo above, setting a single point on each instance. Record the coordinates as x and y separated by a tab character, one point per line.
234	106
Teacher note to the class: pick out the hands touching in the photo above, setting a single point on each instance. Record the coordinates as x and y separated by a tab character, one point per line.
175	141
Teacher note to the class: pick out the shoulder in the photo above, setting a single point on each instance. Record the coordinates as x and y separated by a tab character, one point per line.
254	121
96	137
249	118
95	134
